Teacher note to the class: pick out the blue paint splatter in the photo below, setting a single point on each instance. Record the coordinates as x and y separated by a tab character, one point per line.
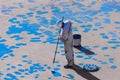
21	44
56	69
70	76
21	70
17	37
86	28
79	56
56	74
77	4
53	20
4	49
104	36
24	56
2	40
37	76
13	67
17	73
97	24
36	68
1	74
113	67
41	12
107	21
20	65
10	76
104	48
96	46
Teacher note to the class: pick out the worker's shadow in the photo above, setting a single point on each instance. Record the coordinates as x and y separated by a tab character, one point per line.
83	49
85	74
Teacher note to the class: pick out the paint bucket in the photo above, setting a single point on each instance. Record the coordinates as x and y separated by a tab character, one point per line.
76	40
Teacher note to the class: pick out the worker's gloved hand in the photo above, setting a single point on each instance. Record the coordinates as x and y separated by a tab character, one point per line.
59	24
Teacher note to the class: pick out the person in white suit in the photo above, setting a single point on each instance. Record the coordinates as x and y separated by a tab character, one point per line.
67	38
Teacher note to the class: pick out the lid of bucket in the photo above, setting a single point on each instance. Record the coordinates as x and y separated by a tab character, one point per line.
76	36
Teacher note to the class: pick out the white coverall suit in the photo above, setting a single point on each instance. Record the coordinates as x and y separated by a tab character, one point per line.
67	38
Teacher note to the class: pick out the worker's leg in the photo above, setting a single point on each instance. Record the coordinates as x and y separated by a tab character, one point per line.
69	52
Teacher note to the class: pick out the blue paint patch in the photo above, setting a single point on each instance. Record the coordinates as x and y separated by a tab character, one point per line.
24	60
113	67
77	4
95	59
17	37
21	16
111	60
117	22
87	47
29	62
10	76
49	78
8	64
86	19
31	1
48	67
24	26
17	73
13	30
79	56
56	74
35	39
81	64
21	70
87	58
24	56
20	5
22	76
8	69
104	48
41	12
96	46
20	65
12	20
6	11
58	65
107	21
63	54
4	49
114	47
44	21
114	42
53	20
106	55
56	69
2	40
70	76
36	68
36	76
13	47
74	29
1	74
61	46
21	44
104	62
94	29
97	24
5	57
13	67
104	36
86	28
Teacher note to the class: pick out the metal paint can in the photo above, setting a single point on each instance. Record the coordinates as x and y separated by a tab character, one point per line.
76	40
